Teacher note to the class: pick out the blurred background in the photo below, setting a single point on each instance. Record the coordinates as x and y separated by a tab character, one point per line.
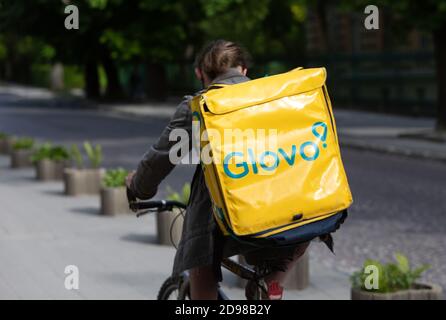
116	80
144	49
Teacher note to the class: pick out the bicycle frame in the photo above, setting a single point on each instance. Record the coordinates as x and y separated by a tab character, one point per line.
184	286
232	266
241	270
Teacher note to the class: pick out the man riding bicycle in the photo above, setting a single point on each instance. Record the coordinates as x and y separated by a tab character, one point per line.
202	244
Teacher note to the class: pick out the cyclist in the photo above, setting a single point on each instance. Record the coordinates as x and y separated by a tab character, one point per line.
202	245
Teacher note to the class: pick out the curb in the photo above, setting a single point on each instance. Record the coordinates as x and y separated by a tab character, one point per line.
154	113
390	149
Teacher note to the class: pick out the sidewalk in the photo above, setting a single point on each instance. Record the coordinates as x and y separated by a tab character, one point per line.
42	231
377	132
394	134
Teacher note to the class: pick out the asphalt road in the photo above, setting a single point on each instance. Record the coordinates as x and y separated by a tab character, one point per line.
399	202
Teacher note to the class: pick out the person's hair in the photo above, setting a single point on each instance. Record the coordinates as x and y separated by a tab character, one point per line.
220	55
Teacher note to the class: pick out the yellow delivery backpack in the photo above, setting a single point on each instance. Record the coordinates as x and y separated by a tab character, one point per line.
271	157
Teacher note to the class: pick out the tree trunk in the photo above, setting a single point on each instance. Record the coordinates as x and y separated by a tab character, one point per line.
321	12
57	77
156	81
440	57
91	79
114	88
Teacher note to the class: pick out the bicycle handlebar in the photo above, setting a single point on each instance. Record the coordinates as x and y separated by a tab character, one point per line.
161	205
157	204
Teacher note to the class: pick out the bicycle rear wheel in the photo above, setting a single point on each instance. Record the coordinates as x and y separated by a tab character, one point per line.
174	288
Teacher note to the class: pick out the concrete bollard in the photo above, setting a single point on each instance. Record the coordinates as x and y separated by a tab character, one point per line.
93	180
74	182
114	201
82	181
21	158
298	277
167	221
47	169
419	291
6	145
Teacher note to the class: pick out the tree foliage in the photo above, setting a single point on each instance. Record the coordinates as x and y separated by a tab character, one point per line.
113	32
268	28
428	15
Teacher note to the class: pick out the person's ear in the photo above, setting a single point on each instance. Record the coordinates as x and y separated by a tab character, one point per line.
242	70
198	74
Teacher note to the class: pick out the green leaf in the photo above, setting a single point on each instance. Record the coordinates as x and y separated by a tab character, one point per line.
392	276
403	262
59	153
98	156
47	151
416	273
185	193
115	178
94	154
98	4
44	152
77	156
176	196
24	143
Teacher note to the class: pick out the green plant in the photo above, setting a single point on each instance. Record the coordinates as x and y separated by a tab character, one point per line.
47	151
182	197
24	143
77	156
59	153
391	276
94	154
115	178
3	135
44	152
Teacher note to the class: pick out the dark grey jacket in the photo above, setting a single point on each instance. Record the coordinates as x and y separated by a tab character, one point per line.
200	237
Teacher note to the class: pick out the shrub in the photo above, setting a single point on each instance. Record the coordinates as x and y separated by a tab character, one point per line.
47	151
392	276
115	178
44	152
59	153
24	143
94	154
3	135
183	197
73	77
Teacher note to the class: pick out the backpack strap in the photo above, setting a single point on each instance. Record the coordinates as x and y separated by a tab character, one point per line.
327	238
215	86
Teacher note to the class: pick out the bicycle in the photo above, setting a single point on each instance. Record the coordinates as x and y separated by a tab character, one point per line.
178	287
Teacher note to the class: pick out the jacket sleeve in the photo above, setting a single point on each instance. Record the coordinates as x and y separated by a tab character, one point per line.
155	164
